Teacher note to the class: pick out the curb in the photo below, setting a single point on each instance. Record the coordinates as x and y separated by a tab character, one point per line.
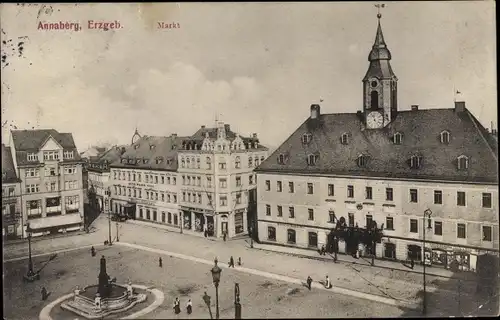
41	238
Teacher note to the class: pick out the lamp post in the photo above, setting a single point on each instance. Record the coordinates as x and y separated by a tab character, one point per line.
181	220
237	305
251	236
30	261
107	205
427	214
117	233
216	271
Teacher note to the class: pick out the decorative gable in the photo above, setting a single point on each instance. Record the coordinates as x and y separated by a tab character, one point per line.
50	145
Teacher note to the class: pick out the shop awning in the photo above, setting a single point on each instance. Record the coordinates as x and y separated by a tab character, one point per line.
62	220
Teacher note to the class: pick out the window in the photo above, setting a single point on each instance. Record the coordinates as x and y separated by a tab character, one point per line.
238	198
222	165
174	180
369	220
50	171
209	182
188	162
268	210
163	216
183	196
32	172
398	138
175	219
463	162
290	187
32	157
445	137
281	159
280	211
331	190
209	163
487	233
72	203
414	225
278	186
331	217
148	214
460	198
388	194
313	239
169	217
156	178
344	139
312	159
162	197
250	180
250	162
155	215
139	177
223	201
128	173
50	155
256	161
429	223
223	183
188	180
70	185
350	191
291	236
268	185
413	195
438	228
415	162
374	100
461	234
362	161
438	197
486	200
238	181
237	163
310	188
198	164
271	233
34	208
311	214
291	212
168	180
351	219
389	222
306	138
368	193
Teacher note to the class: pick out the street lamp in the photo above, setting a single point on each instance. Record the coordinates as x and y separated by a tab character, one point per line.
216	271
251	236
237	305
30	276
107	208
427	213
117	233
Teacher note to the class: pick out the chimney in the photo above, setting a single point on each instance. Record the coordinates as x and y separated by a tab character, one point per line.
315	111
203	127
254	135
459	106
227	127
414	107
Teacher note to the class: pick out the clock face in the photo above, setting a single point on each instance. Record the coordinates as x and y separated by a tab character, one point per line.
374	120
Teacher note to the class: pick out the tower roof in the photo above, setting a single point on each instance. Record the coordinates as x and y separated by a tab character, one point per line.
379	50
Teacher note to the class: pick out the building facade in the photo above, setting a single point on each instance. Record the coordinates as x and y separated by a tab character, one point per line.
11	197
386	165
216	180
50	168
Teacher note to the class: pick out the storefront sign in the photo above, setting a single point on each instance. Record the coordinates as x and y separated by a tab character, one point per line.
135	184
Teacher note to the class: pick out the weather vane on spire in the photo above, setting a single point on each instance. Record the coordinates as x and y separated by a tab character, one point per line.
379	6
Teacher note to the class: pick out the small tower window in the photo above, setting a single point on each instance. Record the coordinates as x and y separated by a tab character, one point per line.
374	100
306	138
415	162
362	161
344	138
312	159
282	158
398	138
445	137
463	162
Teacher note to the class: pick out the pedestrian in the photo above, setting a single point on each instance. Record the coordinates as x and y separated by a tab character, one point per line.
44	293
189	307
177	306
412	263
92	251
239	261
323	250
231	262
224	235
328	284
160	262
309	282
205	231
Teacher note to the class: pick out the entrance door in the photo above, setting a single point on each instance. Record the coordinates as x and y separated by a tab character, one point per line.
210	226
224	227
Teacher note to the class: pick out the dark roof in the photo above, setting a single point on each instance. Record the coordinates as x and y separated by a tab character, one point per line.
8	170
421	131
32	140
101	163
164	149
200	135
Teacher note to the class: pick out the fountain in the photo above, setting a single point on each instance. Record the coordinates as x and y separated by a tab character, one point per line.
108	297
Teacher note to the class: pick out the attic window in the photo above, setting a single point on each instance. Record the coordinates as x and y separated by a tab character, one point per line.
463	162
415	162
152	147
445	137
145	161
306	138
136	146
312	159
344	138
282	158
131	161
32	157
124	160
362	161
158	161
398	138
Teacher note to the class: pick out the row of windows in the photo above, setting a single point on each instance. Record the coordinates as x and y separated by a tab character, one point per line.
149	195
34	207
461	229
49	171
196	181
151	214
51	186
148	178
192	162
50	155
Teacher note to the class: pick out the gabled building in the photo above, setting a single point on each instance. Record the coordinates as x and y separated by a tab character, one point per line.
11	197
217	180
388	165
50	167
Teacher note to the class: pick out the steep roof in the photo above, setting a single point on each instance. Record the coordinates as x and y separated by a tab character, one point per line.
8	170
421	131
151	149
26	141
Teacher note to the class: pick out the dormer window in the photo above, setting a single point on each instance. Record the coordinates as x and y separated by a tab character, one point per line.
312	159
344	139
131	161
159	160
145	161
415	162
136	146
124	160
68	154
445	137
398	138
151	147
362	160
463	162
237	164
32	157
306	138
282	158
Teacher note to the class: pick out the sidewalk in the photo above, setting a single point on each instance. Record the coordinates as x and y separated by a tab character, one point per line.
48	237
366	261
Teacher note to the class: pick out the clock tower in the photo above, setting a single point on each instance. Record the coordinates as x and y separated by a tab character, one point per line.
379	85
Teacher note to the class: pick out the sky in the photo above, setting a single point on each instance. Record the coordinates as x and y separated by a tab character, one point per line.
256	66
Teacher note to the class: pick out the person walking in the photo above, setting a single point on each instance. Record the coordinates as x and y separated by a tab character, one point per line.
412	263
328	284
160	262
177	306
239	261
205	230
44	293
224	235
189	307
309	282
92	251
231	262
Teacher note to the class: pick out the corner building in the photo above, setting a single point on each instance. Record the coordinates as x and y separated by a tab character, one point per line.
388	165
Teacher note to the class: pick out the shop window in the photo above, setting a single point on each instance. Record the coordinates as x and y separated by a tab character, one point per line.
313	239
291	236
271	233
